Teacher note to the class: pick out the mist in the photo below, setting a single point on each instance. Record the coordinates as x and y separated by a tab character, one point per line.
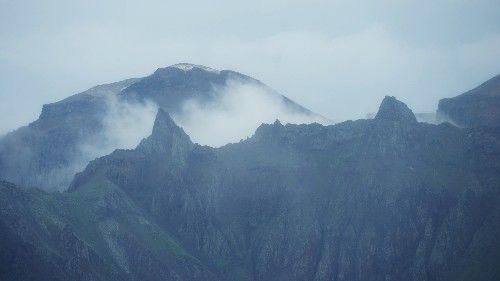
234	113
125	124
237	110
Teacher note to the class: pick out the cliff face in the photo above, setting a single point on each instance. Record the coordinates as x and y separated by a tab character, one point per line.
479	107
381	199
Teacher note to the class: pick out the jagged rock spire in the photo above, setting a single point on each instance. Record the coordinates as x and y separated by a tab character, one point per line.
166	136
392	109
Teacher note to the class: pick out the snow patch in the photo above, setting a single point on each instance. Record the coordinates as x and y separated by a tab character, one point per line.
189	67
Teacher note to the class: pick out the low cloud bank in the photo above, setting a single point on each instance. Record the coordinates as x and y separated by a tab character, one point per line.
124	126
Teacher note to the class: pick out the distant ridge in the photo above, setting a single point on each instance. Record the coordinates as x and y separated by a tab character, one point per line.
479	107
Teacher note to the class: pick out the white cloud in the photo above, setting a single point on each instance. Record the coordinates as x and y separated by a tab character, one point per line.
124	126
238	109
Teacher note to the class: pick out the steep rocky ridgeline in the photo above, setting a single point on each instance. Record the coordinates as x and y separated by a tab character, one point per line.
479	107
48	152
382	199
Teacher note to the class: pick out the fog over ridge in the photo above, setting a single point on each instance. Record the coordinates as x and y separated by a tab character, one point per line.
125	124
238	109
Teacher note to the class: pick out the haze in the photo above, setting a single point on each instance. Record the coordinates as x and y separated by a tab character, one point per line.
338	58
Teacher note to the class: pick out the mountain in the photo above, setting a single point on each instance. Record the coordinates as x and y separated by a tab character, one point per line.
479	107
382	199
388	198
69	133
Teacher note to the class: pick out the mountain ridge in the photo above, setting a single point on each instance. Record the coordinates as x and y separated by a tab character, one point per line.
241	203
50	150
388	198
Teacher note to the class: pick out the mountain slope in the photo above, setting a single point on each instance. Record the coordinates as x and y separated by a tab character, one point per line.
169	87
381	199
479	107
96	234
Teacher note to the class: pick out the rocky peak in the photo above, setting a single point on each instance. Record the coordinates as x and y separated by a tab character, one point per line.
164	123
392	109
166	137
268	131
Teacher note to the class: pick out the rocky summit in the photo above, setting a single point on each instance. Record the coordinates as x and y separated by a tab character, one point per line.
387	198
393	110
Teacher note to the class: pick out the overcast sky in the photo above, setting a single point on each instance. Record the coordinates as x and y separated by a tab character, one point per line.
338	58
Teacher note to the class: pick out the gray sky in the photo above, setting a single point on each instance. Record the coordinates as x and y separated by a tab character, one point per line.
338	58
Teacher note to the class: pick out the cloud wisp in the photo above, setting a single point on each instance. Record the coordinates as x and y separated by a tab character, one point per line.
236	111
125	124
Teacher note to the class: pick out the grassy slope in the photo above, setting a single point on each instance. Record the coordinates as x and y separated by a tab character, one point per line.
101	216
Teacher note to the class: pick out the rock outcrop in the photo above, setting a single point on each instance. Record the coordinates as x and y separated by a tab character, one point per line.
393	110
